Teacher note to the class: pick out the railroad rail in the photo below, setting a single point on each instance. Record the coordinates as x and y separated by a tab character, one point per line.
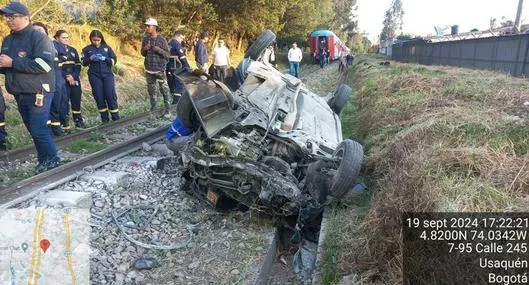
27	188
26	151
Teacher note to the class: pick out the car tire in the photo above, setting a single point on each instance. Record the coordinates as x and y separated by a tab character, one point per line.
351	155
186	112
340	98
261	43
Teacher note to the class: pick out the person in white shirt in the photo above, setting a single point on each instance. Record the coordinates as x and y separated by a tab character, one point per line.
221	55
294	58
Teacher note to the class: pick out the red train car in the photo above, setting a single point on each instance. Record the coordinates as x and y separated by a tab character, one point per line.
328	40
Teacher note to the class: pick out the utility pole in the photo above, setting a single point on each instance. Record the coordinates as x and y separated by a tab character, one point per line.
518	14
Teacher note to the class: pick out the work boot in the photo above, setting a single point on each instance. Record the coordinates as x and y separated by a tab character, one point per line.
45	166
56	131
79	122
104	117
115	116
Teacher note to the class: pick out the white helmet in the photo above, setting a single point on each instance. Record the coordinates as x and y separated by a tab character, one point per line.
151	22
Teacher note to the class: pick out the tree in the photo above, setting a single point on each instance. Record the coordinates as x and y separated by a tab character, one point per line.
392	21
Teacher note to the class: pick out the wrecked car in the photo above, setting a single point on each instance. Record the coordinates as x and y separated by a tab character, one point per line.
262	139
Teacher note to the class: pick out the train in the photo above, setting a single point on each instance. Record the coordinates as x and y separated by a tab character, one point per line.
327	39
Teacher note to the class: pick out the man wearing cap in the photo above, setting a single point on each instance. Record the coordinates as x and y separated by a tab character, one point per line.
201	53
156	52
26	60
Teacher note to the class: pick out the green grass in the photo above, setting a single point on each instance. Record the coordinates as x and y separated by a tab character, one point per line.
84	146
19	173
342	230
435	139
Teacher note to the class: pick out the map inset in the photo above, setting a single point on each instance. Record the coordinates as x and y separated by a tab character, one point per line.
44	246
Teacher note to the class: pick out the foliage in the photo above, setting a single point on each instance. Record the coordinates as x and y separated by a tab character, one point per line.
392	20
360	44
315	15
404	37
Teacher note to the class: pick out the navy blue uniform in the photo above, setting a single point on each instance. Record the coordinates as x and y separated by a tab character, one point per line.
71	66
3	133
31	74
99	62
59	105
177	63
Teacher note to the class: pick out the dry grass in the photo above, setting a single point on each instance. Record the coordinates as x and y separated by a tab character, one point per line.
437	139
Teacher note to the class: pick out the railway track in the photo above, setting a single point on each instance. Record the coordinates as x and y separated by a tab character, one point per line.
26	151
25	189
104	240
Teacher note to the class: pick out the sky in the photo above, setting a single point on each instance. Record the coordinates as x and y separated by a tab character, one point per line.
420	16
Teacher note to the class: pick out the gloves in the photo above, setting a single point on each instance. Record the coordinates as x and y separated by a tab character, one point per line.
157	49
98	57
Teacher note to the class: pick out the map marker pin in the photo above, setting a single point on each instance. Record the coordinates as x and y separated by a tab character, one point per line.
24	246
44	244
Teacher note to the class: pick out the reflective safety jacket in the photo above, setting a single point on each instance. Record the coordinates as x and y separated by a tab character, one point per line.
71	64
60	56
101	63
178	58
32	53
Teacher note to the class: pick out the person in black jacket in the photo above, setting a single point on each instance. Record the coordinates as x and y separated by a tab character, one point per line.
99	57
26	60
3	134
70	71
56	115
177	63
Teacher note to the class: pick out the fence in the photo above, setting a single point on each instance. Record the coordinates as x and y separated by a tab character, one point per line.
507	54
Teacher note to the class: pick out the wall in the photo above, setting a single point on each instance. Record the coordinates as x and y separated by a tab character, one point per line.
507	54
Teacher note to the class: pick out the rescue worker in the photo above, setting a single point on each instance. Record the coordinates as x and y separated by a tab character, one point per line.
99	57
26	60
71	70
156	52
178	137
201	52
177	64
3	134
59	108
55	109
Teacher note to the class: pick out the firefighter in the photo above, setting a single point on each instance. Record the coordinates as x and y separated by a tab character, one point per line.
71	70
59	108
99	57
3	134
177	64
60	94
26	61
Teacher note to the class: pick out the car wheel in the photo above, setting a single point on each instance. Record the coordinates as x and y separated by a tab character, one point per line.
316	182
349	155
342	95
261	43
186	112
